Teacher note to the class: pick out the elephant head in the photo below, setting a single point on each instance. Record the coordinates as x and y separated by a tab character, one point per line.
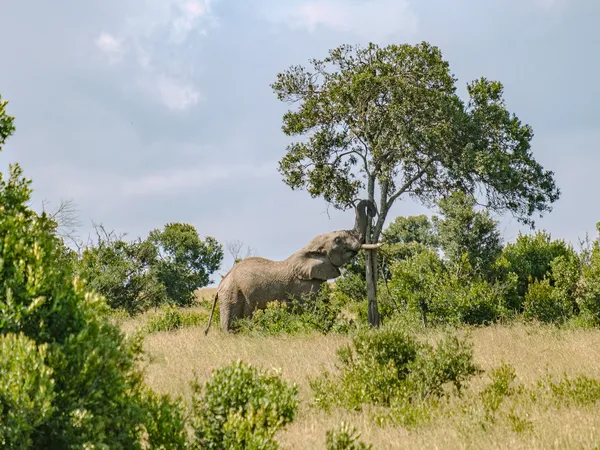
322	257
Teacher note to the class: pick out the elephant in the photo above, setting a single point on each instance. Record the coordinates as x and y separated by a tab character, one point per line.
255	281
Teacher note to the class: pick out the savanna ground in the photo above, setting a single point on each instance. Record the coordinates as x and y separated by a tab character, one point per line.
534	351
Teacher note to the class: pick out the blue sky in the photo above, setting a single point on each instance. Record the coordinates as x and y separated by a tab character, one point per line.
145	112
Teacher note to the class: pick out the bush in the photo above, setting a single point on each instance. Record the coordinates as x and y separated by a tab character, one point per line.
530	257
166	268
388	366
170	318
588	300
26	390
322	313
352	285
122	272
98	397
554	298
424	285
451	361
275	319
543	303
580	391
344	438
242	407
415	281
501	385
462	302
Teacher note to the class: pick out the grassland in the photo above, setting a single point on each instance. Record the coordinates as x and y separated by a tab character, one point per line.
520	423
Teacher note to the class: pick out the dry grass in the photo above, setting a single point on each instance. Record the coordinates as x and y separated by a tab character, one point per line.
206	294
531	350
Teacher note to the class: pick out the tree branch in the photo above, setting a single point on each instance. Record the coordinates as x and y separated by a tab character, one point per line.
386	204
366	147
410	181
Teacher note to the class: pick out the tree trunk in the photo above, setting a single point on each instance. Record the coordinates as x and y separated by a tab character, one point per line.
371	273
371	262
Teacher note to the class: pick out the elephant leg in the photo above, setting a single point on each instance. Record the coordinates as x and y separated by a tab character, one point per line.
232	309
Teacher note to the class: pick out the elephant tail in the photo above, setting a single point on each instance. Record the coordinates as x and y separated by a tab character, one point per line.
211	313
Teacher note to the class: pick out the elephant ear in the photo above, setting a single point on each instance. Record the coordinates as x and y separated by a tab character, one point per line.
317	266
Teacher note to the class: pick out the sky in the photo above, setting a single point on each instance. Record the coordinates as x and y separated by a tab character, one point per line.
145	112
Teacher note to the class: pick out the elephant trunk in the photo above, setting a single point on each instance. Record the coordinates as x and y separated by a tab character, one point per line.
360	226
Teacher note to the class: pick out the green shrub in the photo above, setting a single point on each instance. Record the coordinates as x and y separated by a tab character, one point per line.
415	281
388	365
501	386
554	299
249	431
580	391
242	407
473	302
165	268
122	272
321	313
352	285
424	285
566	275
344	437
450	361
99	399
530	257
170	318
543	303
588	300
26	390
275	319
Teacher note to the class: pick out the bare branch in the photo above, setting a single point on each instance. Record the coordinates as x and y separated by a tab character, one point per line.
235	250
67	218
250	252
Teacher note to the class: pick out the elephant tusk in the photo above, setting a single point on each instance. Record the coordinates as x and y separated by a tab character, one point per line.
371	246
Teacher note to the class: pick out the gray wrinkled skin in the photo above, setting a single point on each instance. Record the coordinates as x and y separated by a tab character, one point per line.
253	282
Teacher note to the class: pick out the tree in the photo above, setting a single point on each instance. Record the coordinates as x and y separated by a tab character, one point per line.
167	267
531	256
7	126
404	230
389	120
122	271
185	262
464	230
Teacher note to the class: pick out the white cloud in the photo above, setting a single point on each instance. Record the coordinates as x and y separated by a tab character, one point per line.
176	95
370	19
155	28
188	17
111	46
